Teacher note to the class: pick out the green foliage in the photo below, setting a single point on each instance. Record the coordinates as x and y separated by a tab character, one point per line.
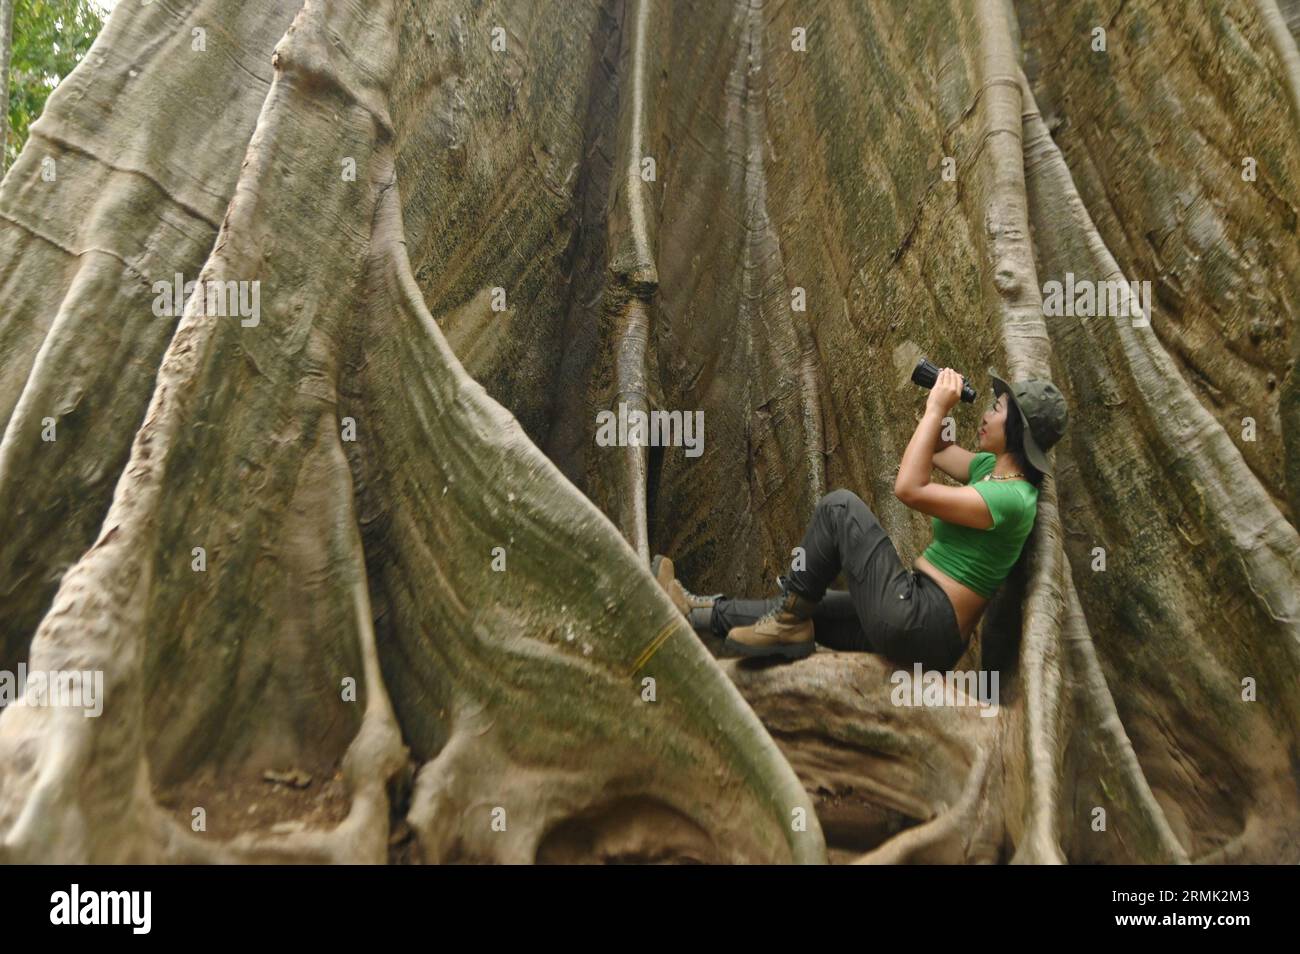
50	38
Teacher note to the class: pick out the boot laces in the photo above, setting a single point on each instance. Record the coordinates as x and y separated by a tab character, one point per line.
779	607
695	599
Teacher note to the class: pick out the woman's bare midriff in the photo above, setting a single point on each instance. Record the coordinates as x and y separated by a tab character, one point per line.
967	605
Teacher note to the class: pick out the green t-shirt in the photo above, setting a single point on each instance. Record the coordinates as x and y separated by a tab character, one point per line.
981	559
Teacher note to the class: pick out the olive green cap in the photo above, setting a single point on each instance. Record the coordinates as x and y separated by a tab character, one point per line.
1042	410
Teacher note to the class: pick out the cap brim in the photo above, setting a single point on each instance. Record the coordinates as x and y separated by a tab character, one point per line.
1036	456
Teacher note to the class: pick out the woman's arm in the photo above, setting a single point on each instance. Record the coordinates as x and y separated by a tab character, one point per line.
959	505
951	459
954	461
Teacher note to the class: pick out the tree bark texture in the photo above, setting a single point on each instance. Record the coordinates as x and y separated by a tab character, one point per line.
561	710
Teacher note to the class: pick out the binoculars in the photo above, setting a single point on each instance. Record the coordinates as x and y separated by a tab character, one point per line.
925	374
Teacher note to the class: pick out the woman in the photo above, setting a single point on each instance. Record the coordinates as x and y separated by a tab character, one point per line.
926	614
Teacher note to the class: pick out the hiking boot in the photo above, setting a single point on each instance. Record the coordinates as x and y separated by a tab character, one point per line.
697	609
785	630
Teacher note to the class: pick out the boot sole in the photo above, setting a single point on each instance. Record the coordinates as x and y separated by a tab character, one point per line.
788	650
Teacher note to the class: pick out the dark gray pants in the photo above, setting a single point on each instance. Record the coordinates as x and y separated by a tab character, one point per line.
888	609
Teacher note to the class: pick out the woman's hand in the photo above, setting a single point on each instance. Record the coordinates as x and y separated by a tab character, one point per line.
946	392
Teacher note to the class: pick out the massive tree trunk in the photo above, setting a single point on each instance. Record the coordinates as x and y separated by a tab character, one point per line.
395	485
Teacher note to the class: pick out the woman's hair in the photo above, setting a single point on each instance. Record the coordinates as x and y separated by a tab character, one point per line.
1015	431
